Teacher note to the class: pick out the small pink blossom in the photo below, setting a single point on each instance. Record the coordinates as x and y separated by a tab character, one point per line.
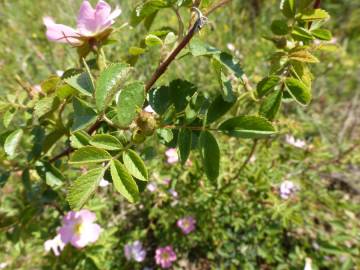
167	181
173	193
172	156
186	224
295	142
149	109
90	23
189	163
165	256
135	251
55	244
152	187
103	183
79	228
287	189
308	264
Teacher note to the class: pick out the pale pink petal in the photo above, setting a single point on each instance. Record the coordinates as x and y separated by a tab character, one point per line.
86	19
102	14
66	233
86	215
116	13
79	241
91	232
61	33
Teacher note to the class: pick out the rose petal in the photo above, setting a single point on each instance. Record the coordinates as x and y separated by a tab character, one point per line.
61	33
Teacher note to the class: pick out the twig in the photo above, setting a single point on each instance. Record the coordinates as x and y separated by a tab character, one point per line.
216	6
164	65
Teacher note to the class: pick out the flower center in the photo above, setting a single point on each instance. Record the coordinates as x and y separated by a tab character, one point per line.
165	256
78	228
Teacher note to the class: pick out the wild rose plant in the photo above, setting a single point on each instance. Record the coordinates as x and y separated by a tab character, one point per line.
146	104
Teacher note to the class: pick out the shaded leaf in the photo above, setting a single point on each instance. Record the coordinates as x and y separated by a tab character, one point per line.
184	144
270	105
266	85
298	90
84	115
217	109
210	154
82	83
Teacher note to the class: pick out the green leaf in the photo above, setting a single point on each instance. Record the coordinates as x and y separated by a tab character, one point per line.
200	48
12	142
89	154
4	177
51	175
301	34
109	82
105	141
83	187
8	117
303	56
82	83
145	10
135	165
130	101
45	105
184	144
123	181
217	109
177	93
279	27
136	51
288	8
322	34
50	84
313	15
298	90
229	63
266	85
210	154
226	86
248	127
153	40
84	115
270	105
80	139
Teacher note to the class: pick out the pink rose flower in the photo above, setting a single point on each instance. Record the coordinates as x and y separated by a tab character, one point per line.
152	187
287	189
186	224
172	156
149	109
135	251
90	23
104	183
55	244
295	142
165	256
79	228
